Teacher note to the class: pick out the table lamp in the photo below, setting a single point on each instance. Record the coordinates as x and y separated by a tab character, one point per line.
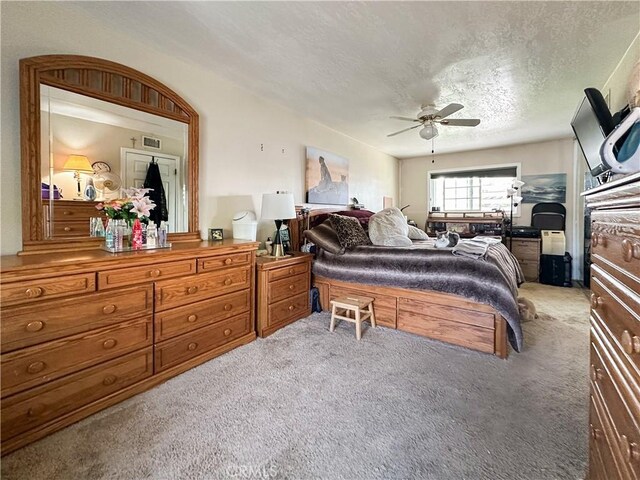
278	207
77	164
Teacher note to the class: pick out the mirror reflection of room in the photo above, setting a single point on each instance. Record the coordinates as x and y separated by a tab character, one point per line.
92	150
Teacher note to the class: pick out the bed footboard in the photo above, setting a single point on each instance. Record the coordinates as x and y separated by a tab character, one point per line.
440	316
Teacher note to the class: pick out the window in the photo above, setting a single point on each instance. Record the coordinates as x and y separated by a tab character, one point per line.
473	190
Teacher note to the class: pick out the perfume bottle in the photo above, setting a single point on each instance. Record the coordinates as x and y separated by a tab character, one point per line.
110	234
152	235
89	190
136	234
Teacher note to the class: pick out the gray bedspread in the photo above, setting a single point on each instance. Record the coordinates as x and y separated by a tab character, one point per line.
492	280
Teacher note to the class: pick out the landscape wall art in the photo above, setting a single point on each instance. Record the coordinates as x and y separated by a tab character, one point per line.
548	187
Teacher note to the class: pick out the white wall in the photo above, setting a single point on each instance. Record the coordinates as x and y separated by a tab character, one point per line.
248	146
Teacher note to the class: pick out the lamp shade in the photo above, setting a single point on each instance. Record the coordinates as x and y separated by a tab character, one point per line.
278	206
78	163
517	183
429	132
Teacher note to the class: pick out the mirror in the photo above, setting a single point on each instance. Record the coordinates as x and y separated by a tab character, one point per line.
88	125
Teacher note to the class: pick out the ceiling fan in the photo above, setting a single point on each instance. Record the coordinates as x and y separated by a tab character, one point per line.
429	116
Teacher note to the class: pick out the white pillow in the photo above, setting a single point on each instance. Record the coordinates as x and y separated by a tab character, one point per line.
416	234
389	228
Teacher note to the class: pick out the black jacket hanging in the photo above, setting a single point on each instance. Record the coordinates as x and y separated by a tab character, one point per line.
153	180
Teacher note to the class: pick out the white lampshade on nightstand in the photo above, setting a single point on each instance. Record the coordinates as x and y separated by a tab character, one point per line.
78	164
278	207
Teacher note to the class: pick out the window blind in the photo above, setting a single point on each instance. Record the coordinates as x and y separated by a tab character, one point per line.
482	173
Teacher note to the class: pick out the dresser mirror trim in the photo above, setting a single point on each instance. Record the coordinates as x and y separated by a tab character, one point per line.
53	70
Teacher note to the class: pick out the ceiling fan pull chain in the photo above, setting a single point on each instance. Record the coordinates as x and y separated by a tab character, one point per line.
433	157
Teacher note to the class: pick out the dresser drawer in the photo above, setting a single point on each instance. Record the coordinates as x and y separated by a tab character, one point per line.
65	228
614	302
130	276
294	307
210	264
530	269
175	293
19	293
457	315
178	350
29	325
526	249
64	210
621	406
177	321
615	240
39	364
287	287
600	431
40	405
287	271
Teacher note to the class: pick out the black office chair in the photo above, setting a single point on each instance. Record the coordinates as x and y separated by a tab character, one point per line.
548	216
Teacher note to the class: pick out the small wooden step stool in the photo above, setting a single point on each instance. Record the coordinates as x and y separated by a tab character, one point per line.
343	307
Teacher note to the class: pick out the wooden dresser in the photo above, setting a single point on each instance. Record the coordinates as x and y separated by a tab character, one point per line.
614	450
82	331
283	291
70	218
527	251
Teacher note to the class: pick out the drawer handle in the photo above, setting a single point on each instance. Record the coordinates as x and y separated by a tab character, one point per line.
154	273
291	270
292	286
36	410
192	346
596	373
291	308
67	229
109	380
630	450
598	239
192	290
34	326
596	433
630	343
192	318
228	307
630	250
67	212
109	309
596	301
109	343
33	292
228	261
227	332
36	367
228	281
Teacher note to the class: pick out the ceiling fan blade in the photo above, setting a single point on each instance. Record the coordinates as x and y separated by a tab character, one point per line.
406	129
448	110
406	118
461	122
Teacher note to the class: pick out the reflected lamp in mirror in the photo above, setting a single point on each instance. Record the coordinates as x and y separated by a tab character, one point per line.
78	164
278	207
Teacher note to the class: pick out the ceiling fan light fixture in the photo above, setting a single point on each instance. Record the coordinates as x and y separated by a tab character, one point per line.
429	132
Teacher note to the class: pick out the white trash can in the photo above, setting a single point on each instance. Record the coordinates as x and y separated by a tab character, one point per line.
245	225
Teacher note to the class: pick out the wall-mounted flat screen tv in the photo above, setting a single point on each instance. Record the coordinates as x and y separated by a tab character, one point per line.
591	124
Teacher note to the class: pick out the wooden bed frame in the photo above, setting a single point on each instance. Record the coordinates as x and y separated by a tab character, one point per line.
440	316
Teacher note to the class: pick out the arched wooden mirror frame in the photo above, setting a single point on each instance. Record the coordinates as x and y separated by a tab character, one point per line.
104	80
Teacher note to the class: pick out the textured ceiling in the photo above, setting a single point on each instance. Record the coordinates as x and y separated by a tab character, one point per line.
518	66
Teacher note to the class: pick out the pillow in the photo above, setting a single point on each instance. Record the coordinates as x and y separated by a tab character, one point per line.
389	228
350	232
325	237
416	234
361	215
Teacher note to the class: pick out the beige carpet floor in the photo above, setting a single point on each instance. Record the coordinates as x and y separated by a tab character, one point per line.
306	403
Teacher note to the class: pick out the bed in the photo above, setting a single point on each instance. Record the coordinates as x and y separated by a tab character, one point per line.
419	289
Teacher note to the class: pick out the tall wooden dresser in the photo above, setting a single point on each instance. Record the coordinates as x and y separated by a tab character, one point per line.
82	331
614	450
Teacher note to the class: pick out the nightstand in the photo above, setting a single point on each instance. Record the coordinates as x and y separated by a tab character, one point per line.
283	291
527	251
